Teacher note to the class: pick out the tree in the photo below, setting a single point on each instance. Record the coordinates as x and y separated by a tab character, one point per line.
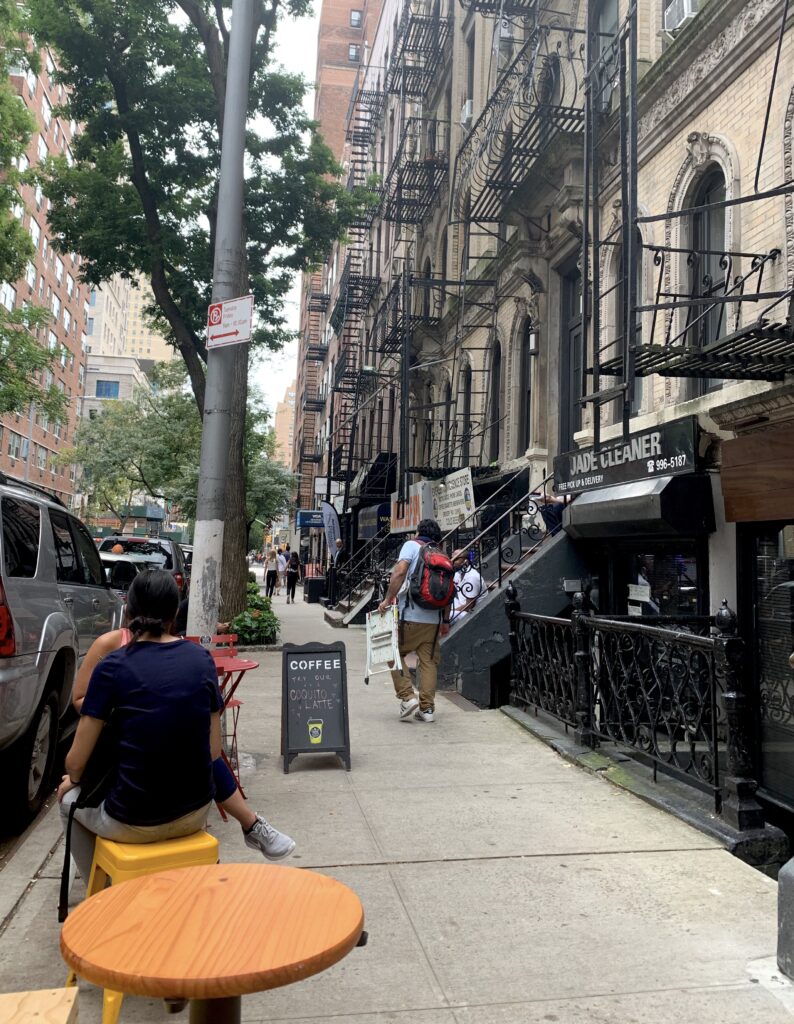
146	80
149	448
24	359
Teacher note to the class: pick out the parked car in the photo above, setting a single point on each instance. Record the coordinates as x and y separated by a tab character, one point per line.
187	551
54	602
174	559
121	570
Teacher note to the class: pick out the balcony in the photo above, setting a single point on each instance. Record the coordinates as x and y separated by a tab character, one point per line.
355	292
420	168
539	98
420	47
311	453
319	302
721	325
314	401
426	298
316	353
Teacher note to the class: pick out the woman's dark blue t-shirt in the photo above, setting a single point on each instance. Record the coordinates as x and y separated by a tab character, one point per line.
161	696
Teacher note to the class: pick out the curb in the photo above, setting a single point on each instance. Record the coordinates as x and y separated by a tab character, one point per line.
766	849
27	863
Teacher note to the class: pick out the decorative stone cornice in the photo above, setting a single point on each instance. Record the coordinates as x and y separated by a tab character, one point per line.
714	54
773	406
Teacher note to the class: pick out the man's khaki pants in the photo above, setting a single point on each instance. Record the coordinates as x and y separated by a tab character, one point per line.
423	639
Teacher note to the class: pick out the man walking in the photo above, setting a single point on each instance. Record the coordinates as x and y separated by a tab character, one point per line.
421	628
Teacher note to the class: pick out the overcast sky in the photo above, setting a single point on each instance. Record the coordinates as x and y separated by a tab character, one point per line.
297	51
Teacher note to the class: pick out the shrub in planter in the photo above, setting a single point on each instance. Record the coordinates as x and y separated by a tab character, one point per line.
256	626
252	578
252	590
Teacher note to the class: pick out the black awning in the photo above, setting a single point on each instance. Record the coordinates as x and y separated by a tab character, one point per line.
677	506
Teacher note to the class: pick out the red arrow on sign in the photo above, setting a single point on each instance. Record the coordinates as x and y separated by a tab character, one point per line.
229	334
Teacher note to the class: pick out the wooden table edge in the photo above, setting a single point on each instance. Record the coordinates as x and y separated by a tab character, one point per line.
197	988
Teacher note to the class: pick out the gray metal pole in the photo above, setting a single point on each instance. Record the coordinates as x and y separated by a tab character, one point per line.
226	281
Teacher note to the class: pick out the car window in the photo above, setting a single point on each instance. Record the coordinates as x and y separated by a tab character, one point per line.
88	556
67	567
159	549
21	530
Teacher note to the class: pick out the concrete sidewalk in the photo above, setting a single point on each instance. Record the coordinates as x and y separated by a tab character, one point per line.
501	884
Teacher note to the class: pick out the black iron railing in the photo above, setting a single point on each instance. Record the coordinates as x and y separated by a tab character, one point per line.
538	97
672	698
715	323
419	169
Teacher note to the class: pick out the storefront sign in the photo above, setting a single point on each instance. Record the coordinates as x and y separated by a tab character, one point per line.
311	519
314	702
419	506
453	499
668	449
374	520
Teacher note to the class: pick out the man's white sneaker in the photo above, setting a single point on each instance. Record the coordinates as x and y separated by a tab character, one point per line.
268	840
407	708
428	715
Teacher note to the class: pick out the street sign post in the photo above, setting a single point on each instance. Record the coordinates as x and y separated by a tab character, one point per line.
229	322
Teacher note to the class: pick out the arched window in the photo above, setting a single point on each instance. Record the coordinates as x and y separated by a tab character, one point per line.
444	270
528	343
707	276
495	417
465	448
429	425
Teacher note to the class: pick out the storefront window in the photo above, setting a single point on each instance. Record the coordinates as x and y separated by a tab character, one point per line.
664	583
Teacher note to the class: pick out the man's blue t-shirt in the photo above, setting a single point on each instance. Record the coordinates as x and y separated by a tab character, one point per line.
161	696
409	612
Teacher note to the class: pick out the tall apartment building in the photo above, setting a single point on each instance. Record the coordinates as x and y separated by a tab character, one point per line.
29	441
108	310
342	46
143	341
284	426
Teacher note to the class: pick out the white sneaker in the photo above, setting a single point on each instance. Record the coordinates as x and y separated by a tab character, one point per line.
268	840
407	708
428	715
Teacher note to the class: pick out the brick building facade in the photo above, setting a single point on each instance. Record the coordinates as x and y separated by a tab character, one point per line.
30	441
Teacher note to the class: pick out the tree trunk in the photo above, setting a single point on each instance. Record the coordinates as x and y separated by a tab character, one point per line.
234	573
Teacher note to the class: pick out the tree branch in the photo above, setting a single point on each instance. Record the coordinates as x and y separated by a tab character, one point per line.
213	50
149	489
186	341
222	24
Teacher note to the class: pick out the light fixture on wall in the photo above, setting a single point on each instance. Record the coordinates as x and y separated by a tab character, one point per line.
532	339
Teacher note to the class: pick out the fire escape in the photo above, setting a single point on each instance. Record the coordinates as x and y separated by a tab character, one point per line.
534	113
714	313
357	287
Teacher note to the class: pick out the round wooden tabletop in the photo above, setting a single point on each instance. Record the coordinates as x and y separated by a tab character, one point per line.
212	932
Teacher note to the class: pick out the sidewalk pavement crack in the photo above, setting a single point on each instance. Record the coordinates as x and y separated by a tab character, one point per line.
513	856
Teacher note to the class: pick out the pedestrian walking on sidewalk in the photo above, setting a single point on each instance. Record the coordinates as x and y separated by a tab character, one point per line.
271	572
282	572
293	571
422	585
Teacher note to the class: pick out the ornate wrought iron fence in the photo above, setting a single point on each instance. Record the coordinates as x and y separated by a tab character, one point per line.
656	691
671	697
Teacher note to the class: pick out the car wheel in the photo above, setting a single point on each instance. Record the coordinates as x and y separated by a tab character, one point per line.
29	763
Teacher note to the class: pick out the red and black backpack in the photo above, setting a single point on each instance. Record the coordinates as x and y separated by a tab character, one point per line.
432	583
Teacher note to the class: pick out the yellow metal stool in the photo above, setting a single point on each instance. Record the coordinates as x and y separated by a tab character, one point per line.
120	862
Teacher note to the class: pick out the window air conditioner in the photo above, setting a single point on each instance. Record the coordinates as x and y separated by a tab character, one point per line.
466	113
678	12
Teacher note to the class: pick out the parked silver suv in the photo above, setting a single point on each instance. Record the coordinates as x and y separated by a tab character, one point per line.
54	602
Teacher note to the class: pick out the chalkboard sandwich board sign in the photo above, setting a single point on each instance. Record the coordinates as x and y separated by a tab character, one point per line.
314	716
